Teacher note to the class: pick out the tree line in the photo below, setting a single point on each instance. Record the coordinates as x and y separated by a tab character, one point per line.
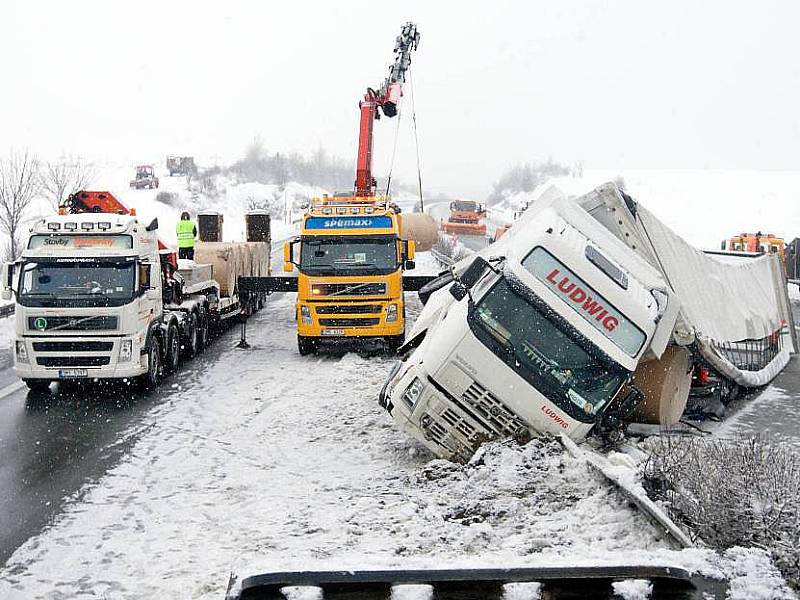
24	178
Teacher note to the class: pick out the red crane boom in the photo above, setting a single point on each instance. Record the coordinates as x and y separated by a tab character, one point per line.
386	98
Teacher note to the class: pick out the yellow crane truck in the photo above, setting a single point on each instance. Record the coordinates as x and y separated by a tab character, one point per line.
350	260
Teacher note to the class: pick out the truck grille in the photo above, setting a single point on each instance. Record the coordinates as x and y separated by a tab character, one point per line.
73	346
349	322
439	434
493	411
72	361
354	309
348	289
100	323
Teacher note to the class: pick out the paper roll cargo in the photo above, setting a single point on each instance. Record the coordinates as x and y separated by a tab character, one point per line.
664	383
419	227
230	260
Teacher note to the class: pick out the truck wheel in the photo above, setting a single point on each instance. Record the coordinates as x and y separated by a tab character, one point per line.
172	358
152	378
202	331
306	345
39	386
192	341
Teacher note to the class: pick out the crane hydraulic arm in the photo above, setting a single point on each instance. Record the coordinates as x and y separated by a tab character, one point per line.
86	201
386	98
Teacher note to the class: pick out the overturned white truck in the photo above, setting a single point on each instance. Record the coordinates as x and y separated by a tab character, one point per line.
587	315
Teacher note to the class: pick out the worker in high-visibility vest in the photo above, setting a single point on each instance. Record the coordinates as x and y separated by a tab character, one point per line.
187	231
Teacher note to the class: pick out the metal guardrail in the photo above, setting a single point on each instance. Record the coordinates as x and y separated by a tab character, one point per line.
447	261
7	310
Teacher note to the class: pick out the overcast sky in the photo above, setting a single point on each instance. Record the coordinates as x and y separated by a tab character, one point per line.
616	85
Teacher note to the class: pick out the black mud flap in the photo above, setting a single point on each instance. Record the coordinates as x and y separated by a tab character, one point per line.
485	584
268	284
414	283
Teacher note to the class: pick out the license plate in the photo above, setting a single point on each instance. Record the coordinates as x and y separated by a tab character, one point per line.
333	332
69	373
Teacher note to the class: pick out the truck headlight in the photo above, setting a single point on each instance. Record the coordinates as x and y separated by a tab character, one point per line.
22	352
391	313
125	350
413	392
305	314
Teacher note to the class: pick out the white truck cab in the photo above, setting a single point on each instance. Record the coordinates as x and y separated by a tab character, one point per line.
89	291
538	333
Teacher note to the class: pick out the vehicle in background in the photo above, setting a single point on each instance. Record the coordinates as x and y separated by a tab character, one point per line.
99	296
181	165
762	243
145	178
498	233
465	218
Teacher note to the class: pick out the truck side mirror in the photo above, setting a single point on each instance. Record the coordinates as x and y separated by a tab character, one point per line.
411	249
473	272
6	290
288	256
153	225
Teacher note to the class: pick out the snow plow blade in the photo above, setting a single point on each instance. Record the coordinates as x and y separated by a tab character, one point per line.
267	284
487	584
465	228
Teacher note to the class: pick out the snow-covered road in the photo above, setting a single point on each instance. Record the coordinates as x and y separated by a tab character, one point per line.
268	460
289	460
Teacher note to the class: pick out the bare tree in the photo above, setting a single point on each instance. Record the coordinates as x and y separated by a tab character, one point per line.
62	178
19	185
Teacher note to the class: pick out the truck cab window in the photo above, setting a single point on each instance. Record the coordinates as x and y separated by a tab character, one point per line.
345	255
84	283
579	380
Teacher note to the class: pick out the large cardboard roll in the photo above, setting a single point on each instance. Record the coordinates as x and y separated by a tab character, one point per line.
419	227
225	260
259	258
665	385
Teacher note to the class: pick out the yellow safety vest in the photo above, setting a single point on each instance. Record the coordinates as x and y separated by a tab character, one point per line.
185	231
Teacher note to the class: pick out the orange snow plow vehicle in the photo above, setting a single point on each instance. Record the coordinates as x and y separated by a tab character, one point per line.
762	243
465	217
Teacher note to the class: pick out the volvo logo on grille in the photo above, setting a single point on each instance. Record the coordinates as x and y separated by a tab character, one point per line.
40	323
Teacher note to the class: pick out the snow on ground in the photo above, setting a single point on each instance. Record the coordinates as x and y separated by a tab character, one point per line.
269	461
6	333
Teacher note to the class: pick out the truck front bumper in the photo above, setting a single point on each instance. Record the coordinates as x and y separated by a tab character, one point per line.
55	358
427	415
358	319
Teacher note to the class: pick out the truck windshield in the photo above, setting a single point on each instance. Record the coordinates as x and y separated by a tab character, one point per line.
573	374
76	283
346	255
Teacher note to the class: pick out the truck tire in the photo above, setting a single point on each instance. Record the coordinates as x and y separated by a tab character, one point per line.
202	332
38	386
306	345
151	379
172	352
192	341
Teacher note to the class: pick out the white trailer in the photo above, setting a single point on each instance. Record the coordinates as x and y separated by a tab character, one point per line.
96	299
569	323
